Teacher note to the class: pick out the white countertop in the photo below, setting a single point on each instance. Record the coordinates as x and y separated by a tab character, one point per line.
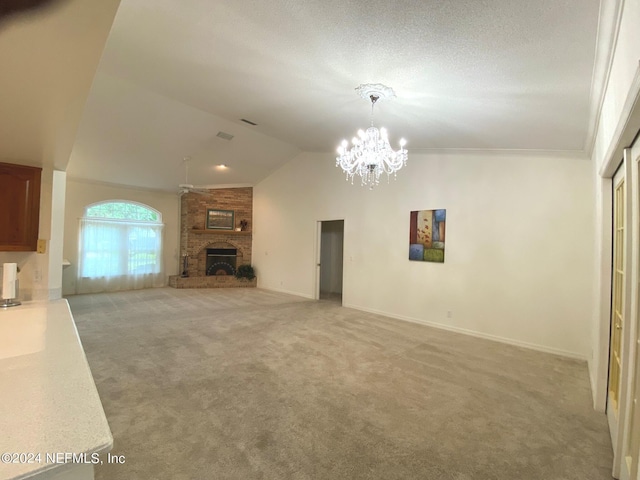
48	399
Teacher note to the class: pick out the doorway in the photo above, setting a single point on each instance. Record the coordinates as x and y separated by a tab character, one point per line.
330	260
617	304
629	425
623	392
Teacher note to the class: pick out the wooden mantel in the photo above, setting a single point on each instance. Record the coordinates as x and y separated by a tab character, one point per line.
220	232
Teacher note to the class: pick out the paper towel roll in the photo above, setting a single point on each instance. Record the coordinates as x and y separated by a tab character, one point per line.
9	274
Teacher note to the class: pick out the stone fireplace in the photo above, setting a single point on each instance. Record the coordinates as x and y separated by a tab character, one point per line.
213	255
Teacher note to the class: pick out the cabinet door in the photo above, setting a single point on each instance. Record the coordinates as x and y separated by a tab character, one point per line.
19	207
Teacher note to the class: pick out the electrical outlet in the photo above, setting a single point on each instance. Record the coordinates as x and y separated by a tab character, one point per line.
42	246
37	275
449	314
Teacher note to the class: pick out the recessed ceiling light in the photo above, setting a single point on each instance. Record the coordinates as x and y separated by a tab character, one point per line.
222	166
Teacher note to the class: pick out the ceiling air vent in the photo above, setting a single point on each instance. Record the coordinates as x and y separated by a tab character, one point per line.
248	121
226	136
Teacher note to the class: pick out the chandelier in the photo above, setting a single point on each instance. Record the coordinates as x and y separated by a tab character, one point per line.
370	154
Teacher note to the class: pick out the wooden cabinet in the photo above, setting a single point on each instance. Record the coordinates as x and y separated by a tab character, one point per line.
19	207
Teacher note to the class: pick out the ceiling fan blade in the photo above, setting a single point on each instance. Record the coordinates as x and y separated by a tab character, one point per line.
188	187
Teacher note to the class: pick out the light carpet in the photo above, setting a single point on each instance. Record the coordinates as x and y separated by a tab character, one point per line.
251	384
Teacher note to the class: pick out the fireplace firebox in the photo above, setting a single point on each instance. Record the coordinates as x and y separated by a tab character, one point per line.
221	261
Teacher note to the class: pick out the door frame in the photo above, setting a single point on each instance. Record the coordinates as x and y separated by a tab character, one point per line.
607	151
617	424
318	254
628	124
630	373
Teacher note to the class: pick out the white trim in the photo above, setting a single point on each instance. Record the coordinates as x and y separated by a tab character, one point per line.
609	20
617	422
473	333
475	151
318	255
626	129
631	323
123	220
225	185
88	181
594	388
318	258
572	154
599	364
288	292
155	190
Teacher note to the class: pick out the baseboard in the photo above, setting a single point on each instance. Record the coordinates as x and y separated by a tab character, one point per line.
592	382
288	292
473	333
599	399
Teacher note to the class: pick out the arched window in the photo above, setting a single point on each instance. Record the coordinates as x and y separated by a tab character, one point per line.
120	247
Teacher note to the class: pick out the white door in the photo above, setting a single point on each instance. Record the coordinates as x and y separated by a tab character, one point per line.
630	447
631	455
620	299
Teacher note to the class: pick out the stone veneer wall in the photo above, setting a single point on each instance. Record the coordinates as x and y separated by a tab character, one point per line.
195	238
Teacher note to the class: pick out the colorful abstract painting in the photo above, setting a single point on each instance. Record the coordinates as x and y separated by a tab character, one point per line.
427	235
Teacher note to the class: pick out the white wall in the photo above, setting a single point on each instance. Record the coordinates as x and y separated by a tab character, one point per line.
518	254
81	193
616	129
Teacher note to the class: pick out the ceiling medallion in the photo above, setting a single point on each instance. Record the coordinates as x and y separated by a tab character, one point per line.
370	154
376	89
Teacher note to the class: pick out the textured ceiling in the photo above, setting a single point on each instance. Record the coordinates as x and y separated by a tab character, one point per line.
468	74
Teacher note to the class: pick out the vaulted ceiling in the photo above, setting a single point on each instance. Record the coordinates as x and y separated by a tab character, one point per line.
468	74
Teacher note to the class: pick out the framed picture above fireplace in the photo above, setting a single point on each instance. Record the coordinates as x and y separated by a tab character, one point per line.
220	219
